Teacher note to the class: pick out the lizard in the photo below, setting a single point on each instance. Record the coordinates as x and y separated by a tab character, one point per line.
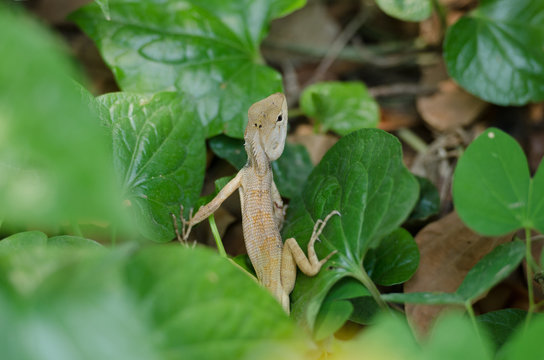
274	261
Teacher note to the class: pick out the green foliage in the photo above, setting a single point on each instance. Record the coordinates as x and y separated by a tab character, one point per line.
290	171
54	159
160	155
86	303
206	48
501	324
495	52
373	196
409	10
428	203
488	272
492	188
340	106
525	343
24	240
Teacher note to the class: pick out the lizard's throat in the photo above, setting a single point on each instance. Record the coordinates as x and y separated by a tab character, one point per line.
257	157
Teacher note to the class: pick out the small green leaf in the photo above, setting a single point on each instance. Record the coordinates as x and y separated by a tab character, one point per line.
395	260
491	186
501	324
363	177
208	49
340	106
427	298
55	164
526	343
159	153
495	52
71	241
290	171
428	203
492	269
23	240
409	10
453	337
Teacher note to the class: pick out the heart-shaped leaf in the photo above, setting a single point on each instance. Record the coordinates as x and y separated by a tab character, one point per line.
488	272
492	189
495	52
55	164
159	153
340	106
409	10
290	171
207	48
395	260
363	177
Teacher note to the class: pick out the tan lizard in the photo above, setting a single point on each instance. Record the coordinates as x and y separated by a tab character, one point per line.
262	207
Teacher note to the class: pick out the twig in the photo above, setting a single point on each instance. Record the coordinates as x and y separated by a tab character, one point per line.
415	142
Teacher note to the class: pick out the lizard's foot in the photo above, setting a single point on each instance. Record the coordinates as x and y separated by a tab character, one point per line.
186	226
318	229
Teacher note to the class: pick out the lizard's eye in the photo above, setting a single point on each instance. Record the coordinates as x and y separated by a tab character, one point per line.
280	117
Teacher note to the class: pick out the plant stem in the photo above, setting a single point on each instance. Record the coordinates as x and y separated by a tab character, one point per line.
217	237
363	277
529	260
470	311
413	140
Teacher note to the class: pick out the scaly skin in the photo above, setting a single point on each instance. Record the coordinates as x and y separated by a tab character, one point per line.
262	207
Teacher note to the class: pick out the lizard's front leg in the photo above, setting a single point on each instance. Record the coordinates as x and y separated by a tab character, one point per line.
293	256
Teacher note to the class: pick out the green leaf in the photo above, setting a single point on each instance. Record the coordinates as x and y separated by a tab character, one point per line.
428	203
492	269
71	241
290	171
526	343
23	240
501	324
395	260
336	308
427	298
365	310
492	189
159	153
342	107
55	164
363	177
495	52
203	306
453	337
409	10
209	49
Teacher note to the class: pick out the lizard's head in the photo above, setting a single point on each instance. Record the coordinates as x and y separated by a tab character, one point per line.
268	124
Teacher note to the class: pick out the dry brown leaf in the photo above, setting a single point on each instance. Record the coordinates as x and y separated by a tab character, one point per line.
450	108
316	144
393	119
448	251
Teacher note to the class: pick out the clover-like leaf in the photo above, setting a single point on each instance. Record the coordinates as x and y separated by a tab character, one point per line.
495	52
395	260
363	177
409	10
340	106
207	48
159	153
55	164
290	171
492	189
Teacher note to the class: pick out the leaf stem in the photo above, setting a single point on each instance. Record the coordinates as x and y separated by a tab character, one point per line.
217	237
530	261
363	277
413	140
470	311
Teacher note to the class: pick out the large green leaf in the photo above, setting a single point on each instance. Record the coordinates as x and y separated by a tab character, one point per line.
395	260
488	272
340	106
410	10
501	324
207	48
159	153
495	52
27	239
55	164
492	189
290	171
363	177
158	303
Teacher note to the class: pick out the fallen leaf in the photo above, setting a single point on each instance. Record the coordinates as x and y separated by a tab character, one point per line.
450	108
316	144
448	250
